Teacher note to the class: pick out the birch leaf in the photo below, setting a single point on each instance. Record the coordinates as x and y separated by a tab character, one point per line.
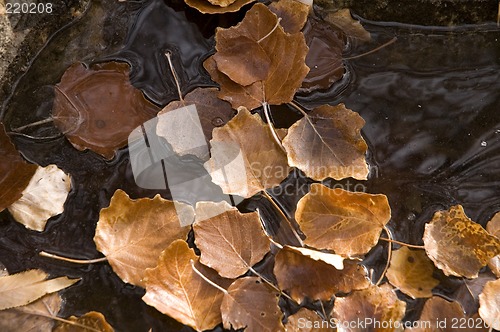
493	227
489	304
92	319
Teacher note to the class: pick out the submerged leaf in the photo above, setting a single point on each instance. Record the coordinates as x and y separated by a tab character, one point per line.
206	7
92	319
43	198
97	107
437	310
489	304
346	222
493	227
293	14
306	320
132	233
457	245
411	272
327	143
252	305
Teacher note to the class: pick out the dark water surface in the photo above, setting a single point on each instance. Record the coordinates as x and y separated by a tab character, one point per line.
431	102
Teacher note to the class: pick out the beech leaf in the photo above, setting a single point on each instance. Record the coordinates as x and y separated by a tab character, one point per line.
489	304
378	303
493	227
25	287
259	163
92	319
174	288
327	143
293	14
457	245
411	272
306	320
349	223
206	7
252	305
97	107
437	310
132	233
231	242
343	20
43	198
15	172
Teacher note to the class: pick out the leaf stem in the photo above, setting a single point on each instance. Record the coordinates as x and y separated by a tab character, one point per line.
267	112
389	256
206	279
298	107
403	244
71	260
37	123
270	32
372	51
174	74
270	284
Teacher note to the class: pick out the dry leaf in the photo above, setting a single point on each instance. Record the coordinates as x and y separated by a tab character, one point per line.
436	311
25	287
43	198
334	260
457	245
346	222
328	143
493	227
489	304
302	276
15	173
34	317
380	304
252	305
92	319
411	272
287	69
231	242
133	233
306	320
206	7
183	131
293	14
97	107
221	3
245	158
177	291
343	20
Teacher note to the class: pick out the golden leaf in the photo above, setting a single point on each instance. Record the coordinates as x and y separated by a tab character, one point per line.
94	320
493	227
457	245
436	311
489	304
346	222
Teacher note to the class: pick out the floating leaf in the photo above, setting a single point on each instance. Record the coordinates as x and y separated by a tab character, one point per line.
436	311
380	304
334	260
206	7
25	287
245	158
489	304
177	291
302	276
92	319
343	20
306	320
133	233
493	227
346	222
97	107
287	69
328	143
411	272
43	198
212	112
231	242
252	305
293	14
15	173
457	245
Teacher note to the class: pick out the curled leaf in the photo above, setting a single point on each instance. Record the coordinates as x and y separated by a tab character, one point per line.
457	245
493	227
91	320
436	311
205	7
489	304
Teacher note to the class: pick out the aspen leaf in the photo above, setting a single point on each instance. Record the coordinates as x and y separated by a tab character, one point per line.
437	309
92	319
252	305
328	143
231	242
489	304
301	276
411	272
306	320
205	7
43	198
457	245
132	233
378	303
261	162
286	52
293	14
97	107
174	288
343	20
346	222
15	172
25	287
493	227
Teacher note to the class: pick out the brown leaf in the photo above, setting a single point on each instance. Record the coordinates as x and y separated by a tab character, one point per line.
343	20
287	69
489	304
231	242
328	143
493	227
252	305
306	320
94	320
411	272
221	3
436	311
334	260
15	173
293	14
97	107
457	245
133	233
302	276
177	291
346	222
206	7
259	163
377	303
